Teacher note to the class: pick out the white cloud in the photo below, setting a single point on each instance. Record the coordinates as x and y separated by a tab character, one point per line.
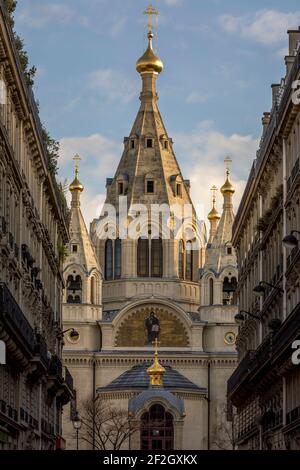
266	26
173	2
201	155
118	26
36	15
112	85
100	156
196	97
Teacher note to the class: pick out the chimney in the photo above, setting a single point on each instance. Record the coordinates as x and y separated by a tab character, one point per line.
275	89
294	37
265	121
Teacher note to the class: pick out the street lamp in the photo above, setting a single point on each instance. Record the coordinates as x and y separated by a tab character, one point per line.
73	335
77	425
260	289
240	318
290	241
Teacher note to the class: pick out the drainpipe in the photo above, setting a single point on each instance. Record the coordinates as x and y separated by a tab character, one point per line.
208	406
94	398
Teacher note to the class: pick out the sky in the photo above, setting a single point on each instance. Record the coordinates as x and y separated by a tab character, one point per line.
220	58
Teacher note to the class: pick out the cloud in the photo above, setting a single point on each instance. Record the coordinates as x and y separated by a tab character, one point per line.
196	97
37	16
201	155
266	27
112	85
173	2
100	156
118	26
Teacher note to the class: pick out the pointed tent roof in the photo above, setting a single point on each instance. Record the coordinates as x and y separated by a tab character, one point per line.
79	235
158	163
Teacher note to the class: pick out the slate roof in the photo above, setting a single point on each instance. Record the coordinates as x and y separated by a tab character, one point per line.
137	378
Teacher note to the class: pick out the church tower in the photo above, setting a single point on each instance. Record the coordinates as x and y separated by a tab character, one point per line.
162	262
82	307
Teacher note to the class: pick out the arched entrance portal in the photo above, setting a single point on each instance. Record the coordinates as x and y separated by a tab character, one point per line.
157	429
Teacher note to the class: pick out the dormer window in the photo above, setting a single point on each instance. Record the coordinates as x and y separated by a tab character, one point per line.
74	248
149	143
166	145
150	187
229	250
122	184
132	144
178	190
120	188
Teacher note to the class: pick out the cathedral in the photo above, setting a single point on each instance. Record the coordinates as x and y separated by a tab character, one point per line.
149	305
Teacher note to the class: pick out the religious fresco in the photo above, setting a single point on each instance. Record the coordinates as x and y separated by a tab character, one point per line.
142	326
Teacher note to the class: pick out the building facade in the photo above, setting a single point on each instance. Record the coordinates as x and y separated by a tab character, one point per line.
33	384
265	388
151	289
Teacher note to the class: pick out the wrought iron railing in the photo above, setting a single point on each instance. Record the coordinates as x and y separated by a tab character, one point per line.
11	314
293	415
68	378
240	372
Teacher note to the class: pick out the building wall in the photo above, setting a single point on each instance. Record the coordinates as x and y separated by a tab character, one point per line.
32	226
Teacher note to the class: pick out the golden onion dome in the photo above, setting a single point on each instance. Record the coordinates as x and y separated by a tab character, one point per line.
76	185
149	62
227	187
214	214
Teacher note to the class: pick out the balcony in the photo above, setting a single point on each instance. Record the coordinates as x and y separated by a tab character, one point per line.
55	368
289	332
68	387
240	372
14	320
293	416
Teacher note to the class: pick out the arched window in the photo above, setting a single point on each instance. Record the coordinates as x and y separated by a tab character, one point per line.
229	287
118	258
143	257
189	262
108	260
157	429
211	291
156	258
74	289
92	290
181	260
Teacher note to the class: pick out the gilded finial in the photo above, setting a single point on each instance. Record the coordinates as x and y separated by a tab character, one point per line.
227	187
214	214
76	185
150	62
156	371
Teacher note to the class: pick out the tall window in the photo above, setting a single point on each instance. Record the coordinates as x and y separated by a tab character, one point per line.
229	287
157	429
109	260
189	262
181	260
143	257
113	259
118	255
156	258
92	290
150	258
211	291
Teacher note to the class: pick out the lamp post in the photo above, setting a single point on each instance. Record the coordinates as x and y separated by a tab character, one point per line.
240	318
260	289
74	334
77	425
290	241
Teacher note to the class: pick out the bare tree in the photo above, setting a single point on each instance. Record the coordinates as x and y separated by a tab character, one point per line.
224	432
104	425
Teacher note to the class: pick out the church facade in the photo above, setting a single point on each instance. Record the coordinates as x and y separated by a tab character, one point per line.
160	283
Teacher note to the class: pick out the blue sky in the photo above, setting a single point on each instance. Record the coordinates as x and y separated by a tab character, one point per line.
220	57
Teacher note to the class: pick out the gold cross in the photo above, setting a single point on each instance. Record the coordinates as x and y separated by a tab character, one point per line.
77	159
151	11
228	162
214	190
156	343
